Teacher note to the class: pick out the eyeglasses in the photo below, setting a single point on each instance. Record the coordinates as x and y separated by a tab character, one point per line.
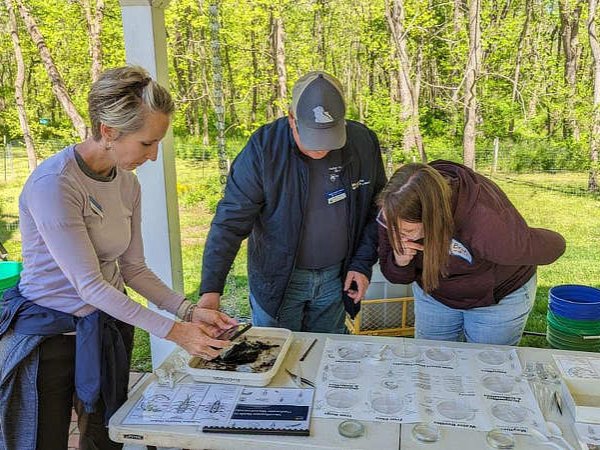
381	219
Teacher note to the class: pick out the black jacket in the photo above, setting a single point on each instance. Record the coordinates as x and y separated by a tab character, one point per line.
265	197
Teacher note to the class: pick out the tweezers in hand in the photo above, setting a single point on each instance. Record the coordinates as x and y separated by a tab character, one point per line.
297	379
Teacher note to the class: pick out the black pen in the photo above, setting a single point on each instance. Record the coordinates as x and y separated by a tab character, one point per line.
303	357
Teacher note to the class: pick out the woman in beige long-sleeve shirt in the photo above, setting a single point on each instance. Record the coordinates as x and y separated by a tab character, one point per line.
80	218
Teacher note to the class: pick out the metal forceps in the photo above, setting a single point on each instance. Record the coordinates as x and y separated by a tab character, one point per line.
298	379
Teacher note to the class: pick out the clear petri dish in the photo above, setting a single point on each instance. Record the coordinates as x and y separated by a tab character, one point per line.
528	372
406	351
345	371
455	410
351	428
341	399
501	439
352	351
501	384
439	354
426	432
386	402
492	357
509	413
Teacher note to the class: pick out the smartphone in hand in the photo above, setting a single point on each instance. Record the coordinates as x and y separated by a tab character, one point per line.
234	332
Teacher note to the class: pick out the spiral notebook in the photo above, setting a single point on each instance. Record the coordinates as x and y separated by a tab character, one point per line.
282	411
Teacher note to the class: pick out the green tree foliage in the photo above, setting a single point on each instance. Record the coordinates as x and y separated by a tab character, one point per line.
521	42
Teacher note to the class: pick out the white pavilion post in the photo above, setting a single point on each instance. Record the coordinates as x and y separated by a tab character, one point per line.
146	46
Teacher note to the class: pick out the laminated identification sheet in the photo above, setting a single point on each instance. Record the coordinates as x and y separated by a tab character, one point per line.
222	405
401	382
578	366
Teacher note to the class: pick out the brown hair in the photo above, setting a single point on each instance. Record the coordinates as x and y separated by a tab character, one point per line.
122	97
418	193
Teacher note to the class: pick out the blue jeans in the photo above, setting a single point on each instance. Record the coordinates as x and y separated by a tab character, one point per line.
312	302
502	323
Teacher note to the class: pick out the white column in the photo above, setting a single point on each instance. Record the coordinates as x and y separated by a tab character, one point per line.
146	45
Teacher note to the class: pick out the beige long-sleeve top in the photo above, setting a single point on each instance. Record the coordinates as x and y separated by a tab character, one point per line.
82	243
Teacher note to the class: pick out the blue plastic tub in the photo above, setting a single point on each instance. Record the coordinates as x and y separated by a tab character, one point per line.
573	301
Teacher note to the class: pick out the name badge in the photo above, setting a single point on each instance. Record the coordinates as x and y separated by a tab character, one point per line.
458	249
96	207
336	196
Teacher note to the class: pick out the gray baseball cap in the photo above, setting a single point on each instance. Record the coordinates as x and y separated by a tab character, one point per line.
319	108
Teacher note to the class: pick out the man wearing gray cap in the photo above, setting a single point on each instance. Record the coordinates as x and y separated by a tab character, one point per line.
303	191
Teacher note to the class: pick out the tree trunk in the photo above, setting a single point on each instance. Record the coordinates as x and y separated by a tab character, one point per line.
204	63
205	135
457	15
94	25
569	20
218	101
278	52
19	83
520	45
232	90
408	91
58	85
471	75
255	75
319	33
595	135
181	82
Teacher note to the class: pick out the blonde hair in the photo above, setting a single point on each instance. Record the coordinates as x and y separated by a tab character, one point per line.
418	193
122	97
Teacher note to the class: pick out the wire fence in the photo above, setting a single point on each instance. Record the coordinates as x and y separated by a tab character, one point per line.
532	165
549	185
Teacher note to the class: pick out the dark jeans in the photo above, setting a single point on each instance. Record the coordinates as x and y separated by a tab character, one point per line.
56	397
312	302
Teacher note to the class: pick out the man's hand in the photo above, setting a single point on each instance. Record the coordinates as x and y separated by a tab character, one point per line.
410	250
215	321
210	300
195	339
362	283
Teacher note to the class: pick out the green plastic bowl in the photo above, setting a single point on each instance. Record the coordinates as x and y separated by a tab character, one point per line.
566	341
9	275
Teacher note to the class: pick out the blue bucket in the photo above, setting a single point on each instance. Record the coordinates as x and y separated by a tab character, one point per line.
573	301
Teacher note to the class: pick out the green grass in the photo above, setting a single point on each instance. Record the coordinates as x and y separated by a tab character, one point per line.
554	201
544	201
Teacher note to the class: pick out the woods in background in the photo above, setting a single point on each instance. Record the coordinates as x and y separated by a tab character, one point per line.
432	78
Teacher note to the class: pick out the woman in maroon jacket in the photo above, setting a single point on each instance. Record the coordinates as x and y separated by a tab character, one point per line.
470	256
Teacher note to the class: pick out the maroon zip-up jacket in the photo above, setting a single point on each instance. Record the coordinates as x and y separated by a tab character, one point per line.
493	251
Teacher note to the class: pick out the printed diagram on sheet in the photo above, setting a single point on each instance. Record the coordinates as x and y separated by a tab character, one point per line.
185	403
398	381
220	404
578	367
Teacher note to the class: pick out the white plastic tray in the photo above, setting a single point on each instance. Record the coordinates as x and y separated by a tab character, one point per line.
281	336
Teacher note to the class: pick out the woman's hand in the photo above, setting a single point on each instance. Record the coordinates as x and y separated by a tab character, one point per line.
196	339
410	250
216	321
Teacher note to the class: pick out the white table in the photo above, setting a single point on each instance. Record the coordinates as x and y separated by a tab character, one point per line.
324	432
